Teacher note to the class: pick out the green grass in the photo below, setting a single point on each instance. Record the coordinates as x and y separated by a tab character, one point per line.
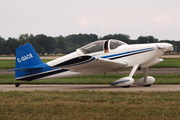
7	64
168	62
92	79
91	105
10	64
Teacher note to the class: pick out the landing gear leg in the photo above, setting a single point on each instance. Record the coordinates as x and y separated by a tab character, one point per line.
146	80
125	82
133	70
145	77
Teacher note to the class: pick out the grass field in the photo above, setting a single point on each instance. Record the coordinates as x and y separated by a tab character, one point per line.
91	105
168	62
92	79
10	64
44	105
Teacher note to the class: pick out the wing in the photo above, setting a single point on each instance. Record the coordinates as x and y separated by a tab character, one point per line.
91	64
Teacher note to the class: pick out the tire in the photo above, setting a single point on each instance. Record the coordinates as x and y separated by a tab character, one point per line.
147	85
126	86
17	84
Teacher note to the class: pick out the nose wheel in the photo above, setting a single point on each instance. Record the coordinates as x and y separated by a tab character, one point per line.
147	85
126	86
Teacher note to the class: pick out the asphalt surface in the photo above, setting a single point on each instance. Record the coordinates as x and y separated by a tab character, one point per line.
152	71
26	87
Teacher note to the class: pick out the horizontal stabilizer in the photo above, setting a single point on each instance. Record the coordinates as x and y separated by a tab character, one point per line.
24	69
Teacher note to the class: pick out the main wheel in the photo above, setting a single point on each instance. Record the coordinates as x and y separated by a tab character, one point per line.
126	86
147	85
17	84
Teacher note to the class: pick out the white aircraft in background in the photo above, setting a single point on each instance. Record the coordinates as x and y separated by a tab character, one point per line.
97	57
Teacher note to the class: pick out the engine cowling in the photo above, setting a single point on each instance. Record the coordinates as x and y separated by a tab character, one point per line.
125	81
150	80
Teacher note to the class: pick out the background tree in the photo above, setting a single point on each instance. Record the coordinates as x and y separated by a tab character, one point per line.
44	44
23	38
11	45
39	49
2	45
147	39
123	37
61	44
57	50
74	41
48	43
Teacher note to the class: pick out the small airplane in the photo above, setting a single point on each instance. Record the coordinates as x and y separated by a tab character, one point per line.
101	56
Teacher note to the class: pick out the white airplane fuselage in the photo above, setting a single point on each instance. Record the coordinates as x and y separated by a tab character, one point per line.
97	57
144	55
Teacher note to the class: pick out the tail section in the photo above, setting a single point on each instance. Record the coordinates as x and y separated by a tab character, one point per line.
30	67
27	61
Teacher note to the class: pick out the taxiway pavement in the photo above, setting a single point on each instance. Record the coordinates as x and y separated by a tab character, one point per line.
28	87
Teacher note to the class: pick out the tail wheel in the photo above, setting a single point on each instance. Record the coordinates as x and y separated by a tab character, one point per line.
17	84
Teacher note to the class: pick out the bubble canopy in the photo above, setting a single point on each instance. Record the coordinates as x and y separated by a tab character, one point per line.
99	45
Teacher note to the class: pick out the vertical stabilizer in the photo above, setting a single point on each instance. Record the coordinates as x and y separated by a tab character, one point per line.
27	61
27	57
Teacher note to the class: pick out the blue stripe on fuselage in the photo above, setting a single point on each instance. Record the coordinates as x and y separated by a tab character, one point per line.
130	52
42	74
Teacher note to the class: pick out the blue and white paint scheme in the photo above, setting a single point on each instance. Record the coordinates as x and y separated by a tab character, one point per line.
97	57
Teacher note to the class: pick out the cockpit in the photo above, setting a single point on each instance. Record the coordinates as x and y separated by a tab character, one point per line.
101	45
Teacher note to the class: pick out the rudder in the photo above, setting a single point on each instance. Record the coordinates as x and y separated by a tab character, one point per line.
27	57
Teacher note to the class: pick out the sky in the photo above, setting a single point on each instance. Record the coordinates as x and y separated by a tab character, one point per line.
159	18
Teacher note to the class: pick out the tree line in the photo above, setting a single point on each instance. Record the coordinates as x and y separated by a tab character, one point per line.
47	44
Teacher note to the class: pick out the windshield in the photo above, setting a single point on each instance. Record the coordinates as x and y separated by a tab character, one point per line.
99	45
93	47
116	43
